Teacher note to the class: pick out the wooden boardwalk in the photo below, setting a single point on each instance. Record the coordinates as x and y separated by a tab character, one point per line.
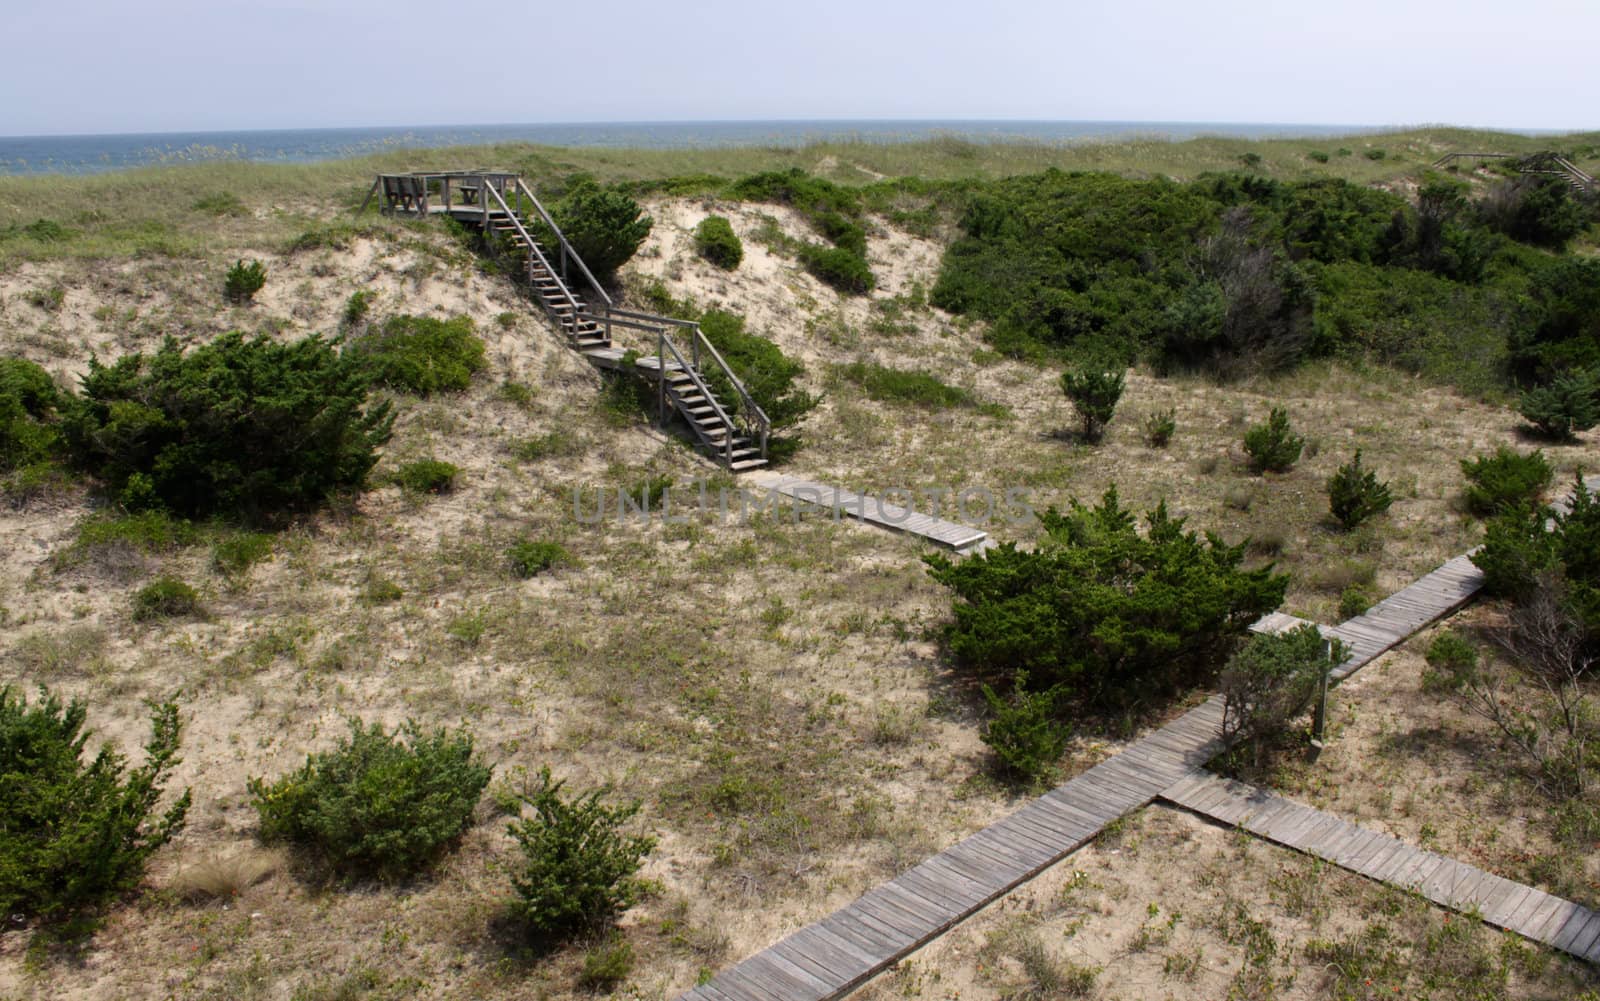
1558	923
1406	612
834	956
874	511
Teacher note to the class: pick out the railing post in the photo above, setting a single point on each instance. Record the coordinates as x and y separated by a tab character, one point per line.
562	240
661	373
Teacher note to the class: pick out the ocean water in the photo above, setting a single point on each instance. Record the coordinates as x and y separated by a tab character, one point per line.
94	154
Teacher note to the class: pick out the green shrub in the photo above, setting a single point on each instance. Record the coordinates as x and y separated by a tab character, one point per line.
1318	155
1116	616
1505	480
1452	659
377	804
235	554
1564	407
578	867
1516	549
606	965
243	281
529	559
1023	732
356	309
420	354
248	429
1159	428
427	476
840	269
1536	210
165	598
381	591
1094	393
604	225
1354	600
1272	446
75	833
1271	681
715	240
769	375
1354	494
912	386
1374	154
145	531
30	407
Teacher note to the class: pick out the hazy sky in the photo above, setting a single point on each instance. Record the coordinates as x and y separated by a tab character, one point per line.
179	65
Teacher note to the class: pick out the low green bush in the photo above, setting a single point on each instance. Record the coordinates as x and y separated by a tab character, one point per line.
1094	393
604	225
420	354
1355	494
145	531
578	866
244	429
165	598
529	558
840	269
1159	428
75	833
380	803
1566	406
606	965
234	554
715	240
1273	446
770	376
243	281
1451	659
1116	616
1023	732
912	386
30	407
1271	681
1505	480
427	476
356	309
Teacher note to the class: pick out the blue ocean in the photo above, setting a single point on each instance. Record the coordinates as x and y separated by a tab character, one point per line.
94	154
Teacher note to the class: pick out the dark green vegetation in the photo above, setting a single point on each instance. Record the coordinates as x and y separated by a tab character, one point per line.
1023	730
377	805
240	428
165	598
420	354
74	833
578	866
1520	559
243	281
1273	447
1271	682
913	386
30	410
1094	393
1241	273
529	558
1355	494
1507	479
604	225
1569	404
715	240
1112	617
427	476
833	211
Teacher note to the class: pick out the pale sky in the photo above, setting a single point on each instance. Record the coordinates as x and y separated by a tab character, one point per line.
93	66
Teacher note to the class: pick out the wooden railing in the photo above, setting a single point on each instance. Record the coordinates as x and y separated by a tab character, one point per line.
533	246
567	254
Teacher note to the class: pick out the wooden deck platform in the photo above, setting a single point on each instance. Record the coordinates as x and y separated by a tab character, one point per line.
874	511
1558	923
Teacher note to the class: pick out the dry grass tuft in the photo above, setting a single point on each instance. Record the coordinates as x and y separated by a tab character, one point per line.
223	877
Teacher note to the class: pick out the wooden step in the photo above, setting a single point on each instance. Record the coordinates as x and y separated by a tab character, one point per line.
740	465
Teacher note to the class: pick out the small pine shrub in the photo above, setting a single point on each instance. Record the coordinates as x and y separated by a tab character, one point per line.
420	354
427	476
646	494
1094	393
578	866
1354	494
1023	732
715	240
1375	154
604	225
377	804
237	553
840	269
1159	428
165	598
606	965
30	405
1505	480
1354	600
1452	659
356	309
1318	155
243	281
529	559
74	833
1564	407
1273	446
247	429
1272	680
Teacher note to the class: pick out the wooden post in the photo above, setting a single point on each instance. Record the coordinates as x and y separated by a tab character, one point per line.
661	373
1319	715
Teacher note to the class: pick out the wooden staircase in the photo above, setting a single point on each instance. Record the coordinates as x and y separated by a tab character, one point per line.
692	380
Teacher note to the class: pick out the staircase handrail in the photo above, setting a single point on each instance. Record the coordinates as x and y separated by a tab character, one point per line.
533	247
566	248
1574	169
664	342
